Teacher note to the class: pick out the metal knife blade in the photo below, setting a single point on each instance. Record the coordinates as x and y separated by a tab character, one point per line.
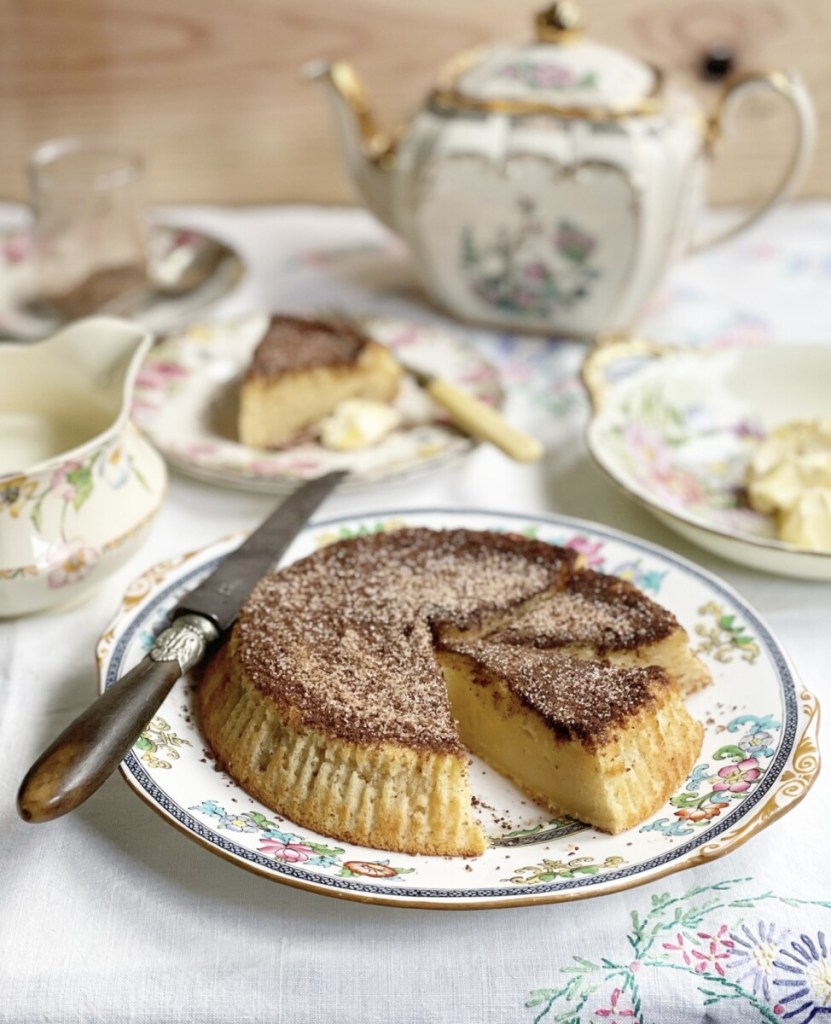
73	767
220	596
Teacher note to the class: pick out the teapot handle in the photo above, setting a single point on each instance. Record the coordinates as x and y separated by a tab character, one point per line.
790	87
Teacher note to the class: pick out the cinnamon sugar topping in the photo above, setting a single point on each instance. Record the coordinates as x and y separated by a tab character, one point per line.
294	343
579	699
594	609
344	636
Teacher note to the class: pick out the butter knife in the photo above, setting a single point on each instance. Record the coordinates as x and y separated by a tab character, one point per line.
73	767
476	418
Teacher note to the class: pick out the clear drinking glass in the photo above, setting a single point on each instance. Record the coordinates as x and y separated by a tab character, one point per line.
90	227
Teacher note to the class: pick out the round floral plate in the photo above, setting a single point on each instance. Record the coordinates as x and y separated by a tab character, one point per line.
24	317
759	755
676	430
186	402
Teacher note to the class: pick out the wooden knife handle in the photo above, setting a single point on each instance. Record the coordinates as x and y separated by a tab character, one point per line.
90	748
484	422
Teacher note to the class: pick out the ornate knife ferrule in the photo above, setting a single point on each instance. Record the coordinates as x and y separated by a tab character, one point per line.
185	641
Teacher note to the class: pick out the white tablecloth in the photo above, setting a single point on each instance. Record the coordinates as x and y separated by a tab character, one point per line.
109	915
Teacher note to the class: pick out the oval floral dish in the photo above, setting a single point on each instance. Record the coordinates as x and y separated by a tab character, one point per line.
759	755
186	402
676	430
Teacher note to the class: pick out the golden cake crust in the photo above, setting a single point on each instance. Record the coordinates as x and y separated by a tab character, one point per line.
387	795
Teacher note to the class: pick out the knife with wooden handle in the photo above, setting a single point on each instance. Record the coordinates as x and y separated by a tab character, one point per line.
476	418
73	767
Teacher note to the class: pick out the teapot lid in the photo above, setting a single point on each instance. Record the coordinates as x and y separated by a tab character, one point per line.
560	72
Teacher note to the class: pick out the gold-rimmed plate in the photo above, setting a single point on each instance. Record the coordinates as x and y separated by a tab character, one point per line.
759	757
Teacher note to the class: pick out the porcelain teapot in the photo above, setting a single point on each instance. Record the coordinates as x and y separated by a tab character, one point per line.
548	187
79	485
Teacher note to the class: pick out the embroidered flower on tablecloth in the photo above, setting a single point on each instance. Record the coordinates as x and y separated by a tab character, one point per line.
703	951
614	1011
717	947
703	934
753	955
804	979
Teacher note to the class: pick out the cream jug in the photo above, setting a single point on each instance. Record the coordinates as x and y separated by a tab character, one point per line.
79	485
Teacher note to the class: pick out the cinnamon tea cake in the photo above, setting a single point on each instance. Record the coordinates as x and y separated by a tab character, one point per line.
301	370
356	681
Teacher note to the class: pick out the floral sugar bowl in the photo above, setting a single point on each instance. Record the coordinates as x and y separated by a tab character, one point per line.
79	486
548	187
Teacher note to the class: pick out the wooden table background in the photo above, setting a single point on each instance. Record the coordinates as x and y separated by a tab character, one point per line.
210	89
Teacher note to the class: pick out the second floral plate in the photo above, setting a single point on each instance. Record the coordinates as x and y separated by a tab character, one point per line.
676	429
759	755
186	401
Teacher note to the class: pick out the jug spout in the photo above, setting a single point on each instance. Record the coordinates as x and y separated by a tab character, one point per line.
369	154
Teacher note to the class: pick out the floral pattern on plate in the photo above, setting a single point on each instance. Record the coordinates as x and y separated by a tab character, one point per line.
186	399
759	756
677	430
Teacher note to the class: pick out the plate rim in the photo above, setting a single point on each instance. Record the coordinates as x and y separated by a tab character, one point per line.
744	822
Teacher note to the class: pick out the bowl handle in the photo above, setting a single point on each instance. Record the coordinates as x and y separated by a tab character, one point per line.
606	361
789	86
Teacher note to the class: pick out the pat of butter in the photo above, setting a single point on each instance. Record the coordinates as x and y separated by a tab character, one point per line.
808	521
358	423
790	477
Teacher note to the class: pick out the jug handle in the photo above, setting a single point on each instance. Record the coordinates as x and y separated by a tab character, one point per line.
790	87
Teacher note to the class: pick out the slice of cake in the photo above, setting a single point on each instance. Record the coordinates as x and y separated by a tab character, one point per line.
301	370
604	744
368	756
600	616
356	681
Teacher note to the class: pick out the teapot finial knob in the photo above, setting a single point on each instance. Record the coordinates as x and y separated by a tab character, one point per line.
560	23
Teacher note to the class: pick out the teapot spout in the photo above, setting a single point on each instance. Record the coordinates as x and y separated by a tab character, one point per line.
369	153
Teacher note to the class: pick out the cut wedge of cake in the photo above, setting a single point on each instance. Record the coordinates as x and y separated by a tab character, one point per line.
600	616
601	743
